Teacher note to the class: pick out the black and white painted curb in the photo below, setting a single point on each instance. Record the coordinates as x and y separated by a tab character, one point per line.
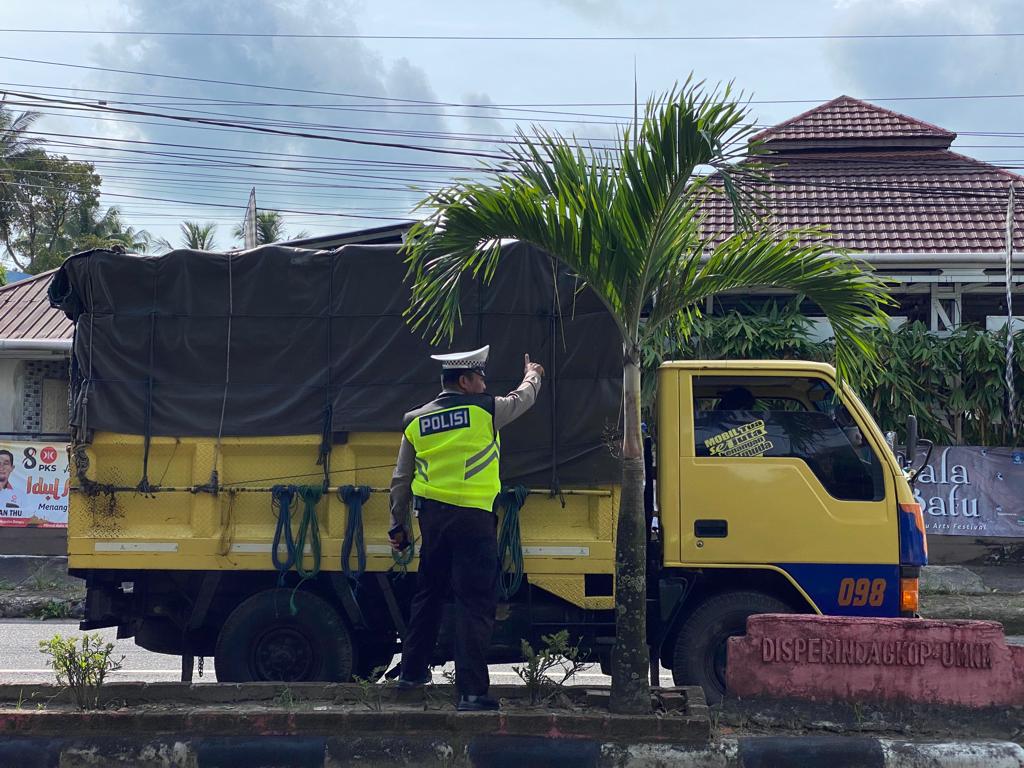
491	751
817	752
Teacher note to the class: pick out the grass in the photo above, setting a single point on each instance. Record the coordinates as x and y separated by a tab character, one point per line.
51	609
41	581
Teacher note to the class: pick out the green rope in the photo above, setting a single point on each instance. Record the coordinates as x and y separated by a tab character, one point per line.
353	497
510	545
282	497
308	526
404	557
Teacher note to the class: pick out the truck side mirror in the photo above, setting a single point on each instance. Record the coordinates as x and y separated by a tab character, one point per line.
911	448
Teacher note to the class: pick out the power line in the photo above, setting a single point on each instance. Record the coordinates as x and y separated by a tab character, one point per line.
525	38
258	129
328	214
524	106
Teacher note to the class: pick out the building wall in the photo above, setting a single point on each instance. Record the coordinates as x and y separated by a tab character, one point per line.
22	388
35	373
10	394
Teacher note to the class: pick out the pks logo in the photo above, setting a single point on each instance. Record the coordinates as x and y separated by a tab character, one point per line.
45	459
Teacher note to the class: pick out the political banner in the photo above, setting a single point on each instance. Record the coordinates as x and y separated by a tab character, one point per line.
34	484
972	491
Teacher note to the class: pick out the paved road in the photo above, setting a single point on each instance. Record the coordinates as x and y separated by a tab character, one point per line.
21	660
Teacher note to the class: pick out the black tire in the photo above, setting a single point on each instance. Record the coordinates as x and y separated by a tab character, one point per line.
263	641
699	655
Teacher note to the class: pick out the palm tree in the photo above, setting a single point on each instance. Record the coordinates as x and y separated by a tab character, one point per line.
269	229
110	231
15	144
629	222
199	237
14	129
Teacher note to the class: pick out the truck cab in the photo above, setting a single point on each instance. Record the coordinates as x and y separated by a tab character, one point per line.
776	492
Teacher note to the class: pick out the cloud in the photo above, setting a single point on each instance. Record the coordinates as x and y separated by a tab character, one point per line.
348	69
934	66
637	16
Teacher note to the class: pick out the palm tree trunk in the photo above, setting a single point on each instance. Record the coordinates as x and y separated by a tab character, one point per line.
631	693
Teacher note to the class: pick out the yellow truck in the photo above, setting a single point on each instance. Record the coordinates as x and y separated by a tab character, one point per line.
213	516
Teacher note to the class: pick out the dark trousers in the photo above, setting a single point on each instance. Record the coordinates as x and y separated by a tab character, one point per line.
458	550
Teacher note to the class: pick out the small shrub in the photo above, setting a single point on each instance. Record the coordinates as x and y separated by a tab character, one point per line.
546	672
81	666
371	693
285	699
52	609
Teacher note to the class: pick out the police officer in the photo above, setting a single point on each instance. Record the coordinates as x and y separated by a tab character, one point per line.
448	467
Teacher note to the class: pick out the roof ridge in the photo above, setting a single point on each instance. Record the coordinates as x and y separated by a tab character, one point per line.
28	280
929	129
806	113
908	118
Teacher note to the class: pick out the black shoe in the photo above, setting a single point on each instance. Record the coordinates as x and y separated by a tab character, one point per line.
477	704
406	684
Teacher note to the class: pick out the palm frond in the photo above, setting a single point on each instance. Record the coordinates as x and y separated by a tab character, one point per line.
630	222
850	294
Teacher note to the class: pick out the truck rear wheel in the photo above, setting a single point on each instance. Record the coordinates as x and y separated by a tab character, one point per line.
700	650
263	640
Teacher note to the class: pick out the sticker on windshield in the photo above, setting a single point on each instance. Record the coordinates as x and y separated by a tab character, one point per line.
746	440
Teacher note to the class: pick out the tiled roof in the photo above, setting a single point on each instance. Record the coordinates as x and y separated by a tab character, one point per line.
846	121
25	311
925	201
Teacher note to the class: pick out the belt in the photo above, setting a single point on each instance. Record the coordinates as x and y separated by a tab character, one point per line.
420	503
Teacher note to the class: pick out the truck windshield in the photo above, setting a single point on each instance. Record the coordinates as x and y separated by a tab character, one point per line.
791	416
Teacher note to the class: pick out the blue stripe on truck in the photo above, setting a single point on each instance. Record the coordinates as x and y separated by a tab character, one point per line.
849	589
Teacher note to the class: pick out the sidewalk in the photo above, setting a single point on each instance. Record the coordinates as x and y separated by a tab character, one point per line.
990	592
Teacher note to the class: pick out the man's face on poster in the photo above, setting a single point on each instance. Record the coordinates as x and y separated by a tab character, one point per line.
6	466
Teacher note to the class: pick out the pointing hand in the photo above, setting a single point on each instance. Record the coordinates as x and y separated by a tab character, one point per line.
535	367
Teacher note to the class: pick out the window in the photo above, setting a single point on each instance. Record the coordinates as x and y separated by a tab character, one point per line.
793	416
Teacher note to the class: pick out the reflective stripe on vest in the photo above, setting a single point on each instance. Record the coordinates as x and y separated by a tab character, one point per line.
457	451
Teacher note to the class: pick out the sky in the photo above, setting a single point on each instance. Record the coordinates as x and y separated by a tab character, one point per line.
456	98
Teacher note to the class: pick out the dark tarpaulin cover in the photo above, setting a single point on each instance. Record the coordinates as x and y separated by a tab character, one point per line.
320	334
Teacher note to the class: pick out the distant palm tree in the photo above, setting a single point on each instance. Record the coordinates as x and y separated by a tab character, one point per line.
14	129
15	144
269	229
199	237
109	231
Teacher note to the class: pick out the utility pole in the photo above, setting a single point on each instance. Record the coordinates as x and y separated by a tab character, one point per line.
249	223
1010	398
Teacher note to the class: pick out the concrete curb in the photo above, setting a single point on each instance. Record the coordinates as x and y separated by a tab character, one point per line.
499	751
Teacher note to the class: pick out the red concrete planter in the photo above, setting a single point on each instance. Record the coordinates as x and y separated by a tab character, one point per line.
819	658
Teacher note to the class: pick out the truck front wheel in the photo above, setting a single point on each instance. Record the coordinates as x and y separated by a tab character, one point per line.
699	656
262	639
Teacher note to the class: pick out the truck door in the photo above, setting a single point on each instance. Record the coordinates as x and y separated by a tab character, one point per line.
775	470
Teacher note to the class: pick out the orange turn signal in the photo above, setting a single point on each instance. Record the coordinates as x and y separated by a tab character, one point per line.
909	595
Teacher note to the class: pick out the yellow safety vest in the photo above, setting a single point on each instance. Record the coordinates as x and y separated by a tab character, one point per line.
457	450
